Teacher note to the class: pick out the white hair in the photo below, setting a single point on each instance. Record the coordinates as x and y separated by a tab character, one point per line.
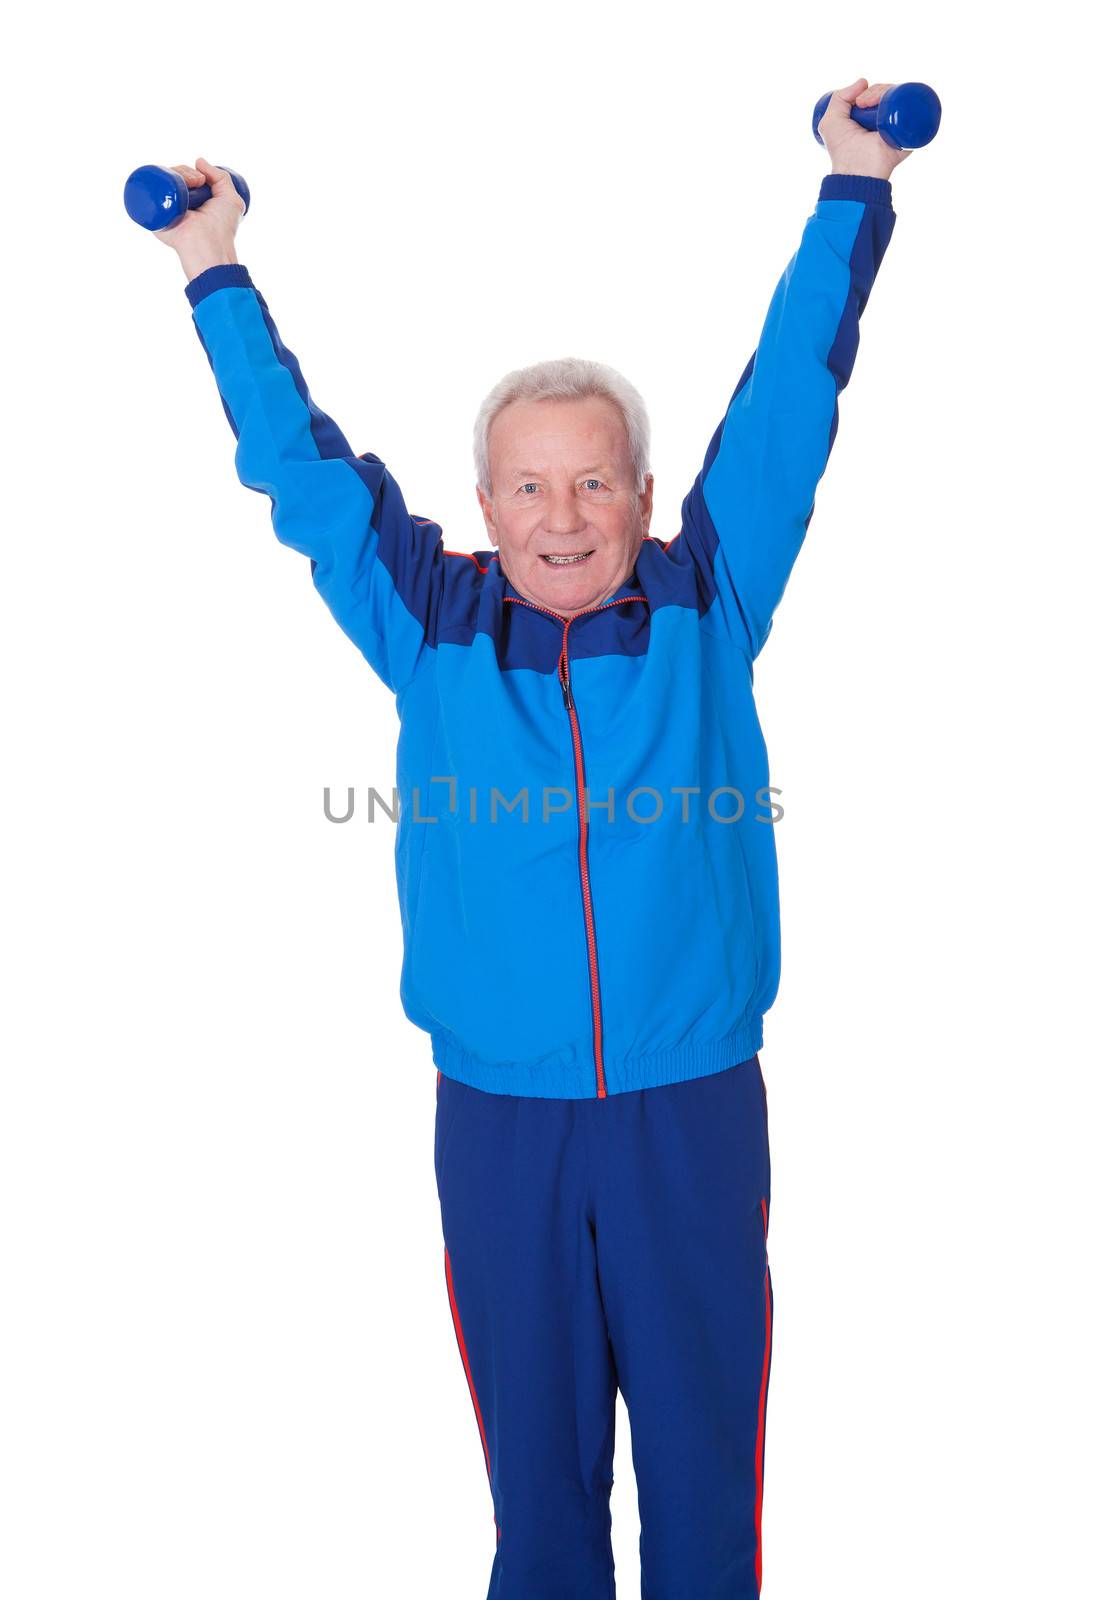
568	378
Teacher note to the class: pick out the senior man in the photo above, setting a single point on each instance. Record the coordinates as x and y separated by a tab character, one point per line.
587	879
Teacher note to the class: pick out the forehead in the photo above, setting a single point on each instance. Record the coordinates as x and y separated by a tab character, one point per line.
533	435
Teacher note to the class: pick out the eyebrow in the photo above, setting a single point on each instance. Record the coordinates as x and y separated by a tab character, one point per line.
534	472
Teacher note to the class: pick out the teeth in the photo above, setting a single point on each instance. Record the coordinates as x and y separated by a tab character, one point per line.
567	561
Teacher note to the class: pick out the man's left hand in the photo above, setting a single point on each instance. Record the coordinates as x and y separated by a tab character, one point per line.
854	149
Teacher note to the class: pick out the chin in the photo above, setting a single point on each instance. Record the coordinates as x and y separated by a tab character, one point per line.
571	595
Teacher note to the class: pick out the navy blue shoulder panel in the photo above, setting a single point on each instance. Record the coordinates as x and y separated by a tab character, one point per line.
476	597
698	532
410	548
678	571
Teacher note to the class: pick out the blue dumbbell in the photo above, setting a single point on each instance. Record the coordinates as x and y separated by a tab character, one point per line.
158	198
907	116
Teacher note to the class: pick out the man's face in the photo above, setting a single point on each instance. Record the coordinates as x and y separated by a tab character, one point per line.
563	485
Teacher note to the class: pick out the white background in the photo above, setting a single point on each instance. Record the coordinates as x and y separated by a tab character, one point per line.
228	1364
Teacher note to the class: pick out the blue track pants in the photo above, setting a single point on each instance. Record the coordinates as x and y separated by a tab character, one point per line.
603	1244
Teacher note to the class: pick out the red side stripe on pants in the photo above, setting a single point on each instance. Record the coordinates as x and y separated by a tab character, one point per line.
763	1404
459	1335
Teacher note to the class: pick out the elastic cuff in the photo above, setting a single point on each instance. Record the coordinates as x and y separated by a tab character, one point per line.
228	275
850	186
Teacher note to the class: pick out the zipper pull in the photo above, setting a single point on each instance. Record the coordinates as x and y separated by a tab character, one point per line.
566	691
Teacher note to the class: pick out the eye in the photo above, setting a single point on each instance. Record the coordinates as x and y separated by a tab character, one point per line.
594	482
525	486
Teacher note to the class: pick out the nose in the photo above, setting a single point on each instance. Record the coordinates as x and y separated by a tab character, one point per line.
563	512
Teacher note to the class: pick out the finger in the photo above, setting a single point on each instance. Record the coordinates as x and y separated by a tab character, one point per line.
851	93
213	175
193	179
872	95
221	183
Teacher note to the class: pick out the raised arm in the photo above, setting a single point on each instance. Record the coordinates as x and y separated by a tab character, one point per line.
378	569
746	515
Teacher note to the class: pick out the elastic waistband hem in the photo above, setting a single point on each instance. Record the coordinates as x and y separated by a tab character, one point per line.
576	1080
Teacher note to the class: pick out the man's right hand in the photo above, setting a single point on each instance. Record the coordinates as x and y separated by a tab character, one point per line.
204	237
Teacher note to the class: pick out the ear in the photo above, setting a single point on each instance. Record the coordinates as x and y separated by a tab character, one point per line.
645	500
486	505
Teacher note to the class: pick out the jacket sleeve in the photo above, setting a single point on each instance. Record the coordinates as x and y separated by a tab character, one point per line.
378	569
746	515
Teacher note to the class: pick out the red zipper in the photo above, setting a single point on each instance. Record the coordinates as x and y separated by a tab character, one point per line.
582	813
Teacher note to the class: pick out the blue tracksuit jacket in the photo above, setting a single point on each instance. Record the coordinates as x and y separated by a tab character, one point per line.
584	910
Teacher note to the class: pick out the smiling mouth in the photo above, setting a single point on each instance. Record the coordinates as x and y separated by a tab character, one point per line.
575	560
